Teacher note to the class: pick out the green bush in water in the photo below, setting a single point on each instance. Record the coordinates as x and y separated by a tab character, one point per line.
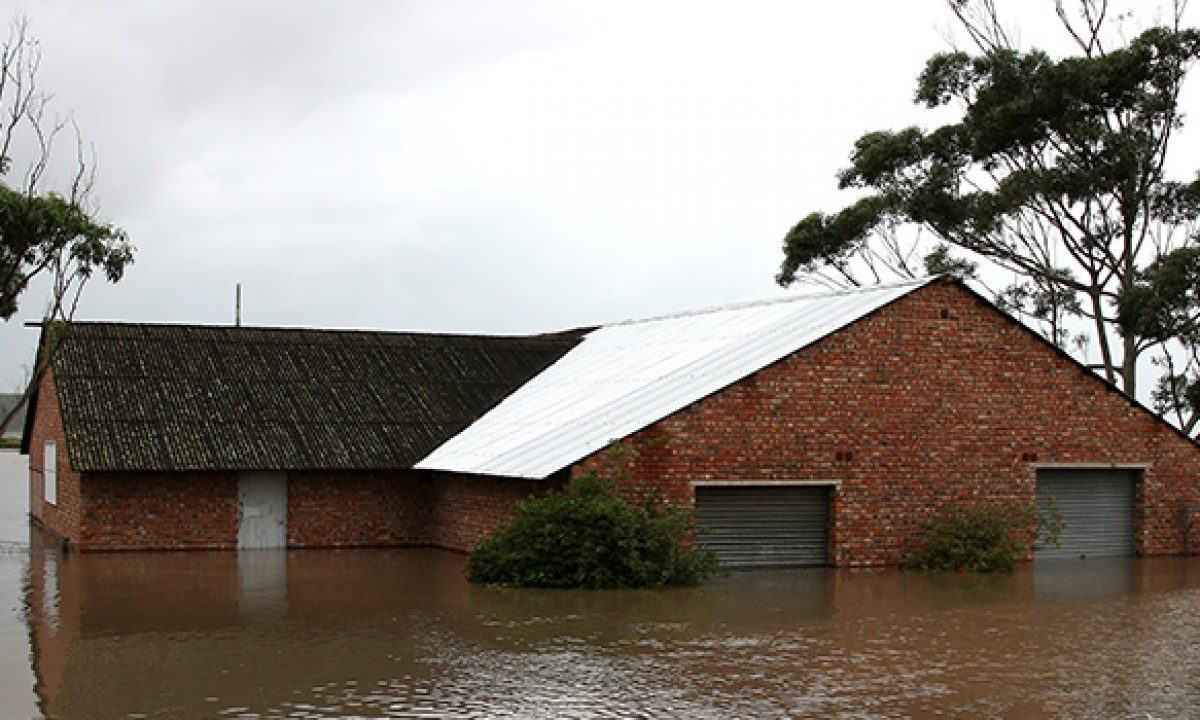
587	535
973	539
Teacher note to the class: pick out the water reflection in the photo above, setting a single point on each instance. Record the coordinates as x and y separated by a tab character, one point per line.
1094	578
399	633
262	582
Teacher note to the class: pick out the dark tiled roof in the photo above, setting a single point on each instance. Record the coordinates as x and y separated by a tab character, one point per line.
170	397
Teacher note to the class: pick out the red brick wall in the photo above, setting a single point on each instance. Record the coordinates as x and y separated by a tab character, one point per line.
199	510
61	518
357	509
467	508
936	397
192	511
159	511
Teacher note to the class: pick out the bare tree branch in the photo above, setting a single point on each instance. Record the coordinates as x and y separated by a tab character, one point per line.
45	231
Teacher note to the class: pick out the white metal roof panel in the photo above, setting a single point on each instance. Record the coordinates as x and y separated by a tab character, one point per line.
626	376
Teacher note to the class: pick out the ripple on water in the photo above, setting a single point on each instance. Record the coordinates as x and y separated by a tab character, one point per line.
400	634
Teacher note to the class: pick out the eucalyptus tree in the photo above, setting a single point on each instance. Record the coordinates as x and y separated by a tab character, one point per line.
1053	168
47	229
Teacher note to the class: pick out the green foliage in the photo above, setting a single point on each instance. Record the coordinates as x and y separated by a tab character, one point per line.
1044	129
1163	304
588	536
974	539
1178	394
939	261
1165	298
1054	169
831	239
40	232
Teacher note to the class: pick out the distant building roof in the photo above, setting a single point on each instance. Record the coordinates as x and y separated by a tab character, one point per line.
626	376
172	397
7	401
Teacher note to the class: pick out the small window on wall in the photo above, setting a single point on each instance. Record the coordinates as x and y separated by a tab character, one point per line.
50	473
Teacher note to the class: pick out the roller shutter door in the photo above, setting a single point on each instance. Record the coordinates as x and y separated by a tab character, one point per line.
1097	511
764	526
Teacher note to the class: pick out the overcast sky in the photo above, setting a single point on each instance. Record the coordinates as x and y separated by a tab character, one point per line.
466	166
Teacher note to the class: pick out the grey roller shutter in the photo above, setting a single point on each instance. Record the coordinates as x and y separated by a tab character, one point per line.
764	526
1097	512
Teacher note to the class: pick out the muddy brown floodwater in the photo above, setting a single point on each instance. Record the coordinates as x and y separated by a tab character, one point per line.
399	633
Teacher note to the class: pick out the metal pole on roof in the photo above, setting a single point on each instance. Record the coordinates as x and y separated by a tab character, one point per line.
237	307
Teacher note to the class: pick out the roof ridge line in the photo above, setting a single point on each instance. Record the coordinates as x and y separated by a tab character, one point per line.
913	284
549	336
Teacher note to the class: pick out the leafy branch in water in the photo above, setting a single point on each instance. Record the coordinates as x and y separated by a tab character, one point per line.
985	538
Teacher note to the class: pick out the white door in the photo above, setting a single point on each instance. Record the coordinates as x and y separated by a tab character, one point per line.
262	510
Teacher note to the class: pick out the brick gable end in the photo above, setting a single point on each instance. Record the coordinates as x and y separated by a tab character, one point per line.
936	397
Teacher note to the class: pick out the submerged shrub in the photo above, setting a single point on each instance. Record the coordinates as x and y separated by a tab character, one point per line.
588	536
974	539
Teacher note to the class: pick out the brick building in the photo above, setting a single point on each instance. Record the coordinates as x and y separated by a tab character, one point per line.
812	430
185	437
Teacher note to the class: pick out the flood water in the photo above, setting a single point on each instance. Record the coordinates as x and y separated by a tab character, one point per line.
399	633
